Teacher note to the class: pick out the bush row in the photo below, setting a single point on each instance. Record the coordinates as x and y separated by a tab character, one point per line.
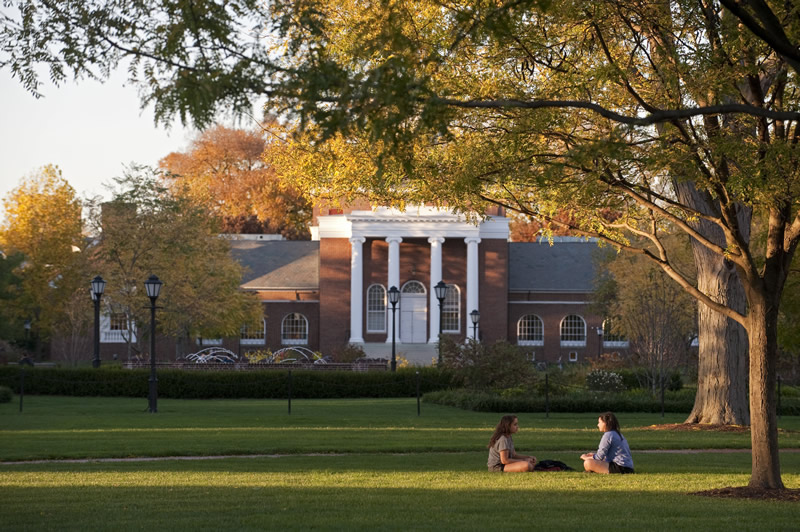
5	394
181	384
638	401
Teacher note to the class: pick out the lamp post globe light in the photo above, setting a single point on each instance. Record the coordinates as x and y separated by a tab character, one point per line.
475	316
153	287
98	286
441	294
394	298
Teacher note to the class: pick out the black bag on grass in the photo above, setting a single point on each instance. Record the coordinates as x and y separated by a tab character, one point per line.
552	465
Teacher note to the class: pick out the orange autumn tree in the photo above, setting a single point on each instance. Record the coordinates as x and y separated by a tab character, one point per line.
224	170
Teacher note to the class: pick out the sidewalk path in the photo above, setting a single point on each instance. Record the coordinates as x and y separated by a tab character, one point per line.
227	456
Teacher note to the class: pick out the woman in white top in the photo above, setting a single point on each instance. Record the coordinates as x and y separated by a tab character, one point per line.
502	456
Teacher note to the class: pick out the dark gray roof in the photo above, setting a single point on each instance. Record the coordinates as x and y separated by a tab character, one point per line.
566	266
278	264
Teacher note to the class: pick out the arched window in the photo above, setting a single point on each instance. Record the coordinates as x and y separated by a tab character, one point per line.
376	308
294	329
451	310
612	336
413	287
254	335
530	330
573	331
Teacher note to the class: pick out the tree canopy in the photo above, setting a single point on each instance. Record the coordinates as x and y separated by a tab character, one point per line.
43	224
225	171
593	107
146	230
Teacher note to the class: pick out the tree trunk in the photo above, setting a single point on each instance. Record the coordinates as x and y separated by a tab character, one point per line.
763	334
722	357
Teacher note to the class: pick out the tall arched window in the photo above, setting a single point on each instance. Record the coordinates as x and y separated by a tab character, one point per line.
376	308
530	330
573	331
294	329
451	310
254	335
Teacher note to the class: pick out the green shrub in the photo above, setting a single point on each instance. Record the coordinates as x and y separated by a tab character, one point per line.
200	384
604	381
349	353
639	401
484	366
5	394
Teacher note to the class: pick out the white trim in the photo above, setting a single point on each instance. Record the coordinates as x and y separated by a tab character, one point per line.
571	358
535	343
548	302
413	222
573	343
290	301
616	343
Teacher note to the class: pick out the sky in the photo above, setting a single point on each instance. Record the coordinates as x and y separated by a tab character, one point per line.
90	130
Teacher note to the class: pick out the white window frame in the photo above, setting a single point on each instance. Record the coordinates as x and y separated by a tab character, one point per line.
209	341
572	331
616	340
376	308
451	306
256	337
111	335
304	333
534	341
573	356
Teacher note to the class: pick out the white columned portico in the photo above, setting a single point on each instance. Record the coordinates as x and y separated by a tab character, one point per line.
472	280
436	276
356	289
394	278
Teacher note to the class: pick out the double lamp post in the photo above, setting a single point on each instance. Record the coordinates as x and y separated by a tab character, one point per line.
153	288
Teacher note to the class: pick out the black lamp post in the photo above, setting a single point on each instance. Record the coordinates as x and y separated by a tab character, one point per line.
600	341
475	316
441	293
153	287
98	287
394	297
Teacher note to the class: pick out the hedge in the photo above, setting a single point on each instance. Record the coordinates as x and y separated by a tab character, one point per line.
481	401
186	384
5	394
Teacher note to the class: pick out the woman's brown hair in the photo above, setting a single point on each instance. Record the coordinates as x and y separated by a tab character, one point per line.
502	429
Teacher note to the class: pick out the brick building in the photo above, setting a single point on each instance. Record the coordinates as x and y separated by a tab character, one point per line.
332	291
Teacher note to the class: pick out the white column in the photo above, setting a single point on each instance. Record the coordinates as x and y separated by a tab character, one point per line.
472	282
393	280
356	289
436	276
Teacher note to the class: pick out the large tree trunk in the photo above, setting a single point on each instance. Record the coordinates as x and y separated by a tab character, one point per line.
722	358
763	334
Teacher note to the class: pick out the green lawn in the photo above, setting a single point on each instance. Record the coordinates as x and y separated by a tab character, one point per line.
394	470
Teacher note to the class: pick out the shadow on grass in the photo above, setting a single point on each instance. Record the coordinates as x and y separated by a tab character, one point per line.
294	507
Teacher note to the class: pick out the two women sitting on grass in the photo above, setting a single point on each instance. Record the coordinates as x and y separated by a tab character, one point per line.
613	454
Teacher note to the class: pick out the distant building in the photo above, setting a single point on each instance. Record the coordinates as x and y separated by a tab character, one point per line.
332	291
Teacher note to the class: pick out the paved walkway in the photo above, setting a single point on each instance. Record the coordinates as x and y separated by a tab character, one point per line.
227	456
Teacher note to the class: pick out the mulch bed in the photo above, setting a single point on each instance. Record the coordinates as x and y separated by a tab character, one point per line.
744	492
787	495
690	427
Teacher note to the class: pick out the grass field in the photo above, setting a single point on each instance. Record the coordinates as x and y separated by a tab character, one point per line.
356	464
